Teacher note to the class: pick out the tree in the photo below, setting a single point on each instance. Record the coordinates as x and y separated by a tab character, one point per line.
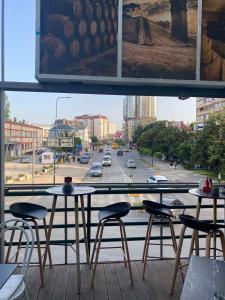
7	108
77	141
94	139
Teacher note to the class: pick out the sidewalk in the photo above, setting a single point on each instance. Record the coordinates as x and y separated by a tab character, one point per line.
180	174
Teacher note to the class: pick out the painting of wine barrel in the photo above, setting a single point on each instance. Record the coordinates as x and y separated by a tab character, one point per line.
79	37
213	41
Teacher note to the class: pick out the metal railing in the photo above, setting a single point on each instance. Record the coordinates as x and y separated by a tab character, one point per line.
109	189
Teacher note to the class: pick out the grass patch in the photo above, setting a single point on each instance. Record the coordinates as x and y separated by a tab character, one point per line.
210	174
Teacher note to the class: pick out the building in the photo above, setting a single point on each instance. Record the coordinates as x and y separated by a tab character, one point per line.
21	137
98	125
205	106
138	110
45	129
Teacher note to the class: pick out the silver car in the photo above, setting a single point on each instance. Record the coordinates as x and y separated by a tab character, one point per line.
96	171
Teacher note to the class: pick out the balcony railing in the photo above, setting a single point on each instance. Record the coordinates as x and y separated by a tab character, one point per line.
112	189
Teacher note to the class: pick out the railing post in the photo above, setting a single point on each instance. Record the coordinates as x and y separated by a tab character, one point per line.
2	169
161	232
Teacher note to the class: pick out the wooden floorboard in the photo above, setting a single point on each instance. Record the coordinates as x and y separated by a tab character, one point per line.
112	282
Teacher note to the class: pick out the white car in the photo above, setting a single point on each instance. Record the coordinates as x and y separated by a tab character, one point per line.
106	161
96	171
130	163
108	152
157	179
25	160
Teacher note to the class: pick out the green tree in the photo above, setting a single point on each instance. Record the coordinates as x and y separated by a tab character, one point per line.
77	141
94	139
7	108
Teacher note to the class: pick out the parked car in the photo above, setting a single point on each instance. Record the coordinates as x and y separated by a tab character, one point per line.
24	159
130	163
106	161
84	160
157	179
96	171
120	153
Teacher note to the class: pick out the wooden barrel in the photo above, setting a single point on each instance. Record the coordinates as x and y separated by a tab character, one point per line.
93	27
87	49
98	10
102	26
106	11
109	25
82	28
75	48
97	43
64	7
59	25
54	47
89	9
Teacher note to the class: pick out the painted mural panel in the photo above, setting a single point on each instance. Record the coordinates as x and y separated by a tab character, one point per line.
213	40
159	38
79	37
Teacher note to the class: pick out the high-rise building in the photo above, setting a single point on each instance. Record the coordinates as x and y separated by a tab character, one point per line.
98	125
138	110
205	106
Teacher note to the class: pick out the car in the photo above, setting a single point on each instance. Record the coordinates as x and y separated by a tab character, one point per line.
119	153
106	161
24	159
84	160
157	179
96	171
108	152
87	154
100	149
130	163
173	202
97	164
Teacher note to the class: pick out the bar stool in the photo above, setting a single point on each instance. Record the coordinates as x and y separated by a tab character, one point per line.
196	225
156	210
30	213
111	214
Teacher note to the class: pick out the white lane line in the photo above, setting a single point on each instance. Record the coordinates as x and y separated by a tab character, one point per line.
121	169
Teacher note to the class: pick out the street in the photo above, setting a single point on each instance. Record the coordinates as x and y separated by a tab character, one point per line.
117	173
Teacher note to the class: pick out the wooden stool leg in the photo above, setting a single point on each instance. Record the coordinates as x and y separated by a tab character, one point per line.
147	246
84	228
97	253
222	239
197	217
39	252
177	260
123	246
127	251
147	234
96	241
48	247
196	240
208	244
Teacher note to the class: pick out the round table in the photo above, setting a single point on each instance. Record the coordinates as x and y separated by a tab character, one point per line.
78	192
215	196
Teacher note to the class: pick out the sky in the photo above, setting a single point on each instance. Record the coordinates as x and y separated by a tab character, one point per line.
39	108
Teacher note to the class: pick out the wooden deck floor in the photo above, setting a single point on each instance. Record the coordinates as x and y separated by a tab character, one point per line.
111	282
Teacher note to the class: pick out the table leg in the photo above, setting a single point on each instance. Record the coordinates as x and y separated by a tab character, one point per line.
65	229
197	217
77	244
84	227
89	222
49	230
214	222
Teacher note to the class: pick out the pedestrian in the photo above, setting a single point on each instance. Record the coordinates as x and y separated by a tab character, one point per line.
175	165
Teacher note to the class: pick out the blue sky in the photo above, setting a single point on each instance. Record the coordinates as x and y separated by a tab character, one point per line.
39	107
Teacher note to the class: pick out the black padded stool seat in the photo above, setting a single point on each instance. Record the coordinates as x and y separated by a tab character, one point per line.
157	209
26	210
192	222
114	211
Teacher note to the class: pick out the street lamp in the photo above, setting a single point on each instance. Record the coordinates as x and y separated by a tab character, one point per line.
56	116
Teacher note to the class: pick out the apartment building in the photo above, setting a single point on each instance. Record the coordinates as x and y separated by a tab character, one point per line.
21	137
205	106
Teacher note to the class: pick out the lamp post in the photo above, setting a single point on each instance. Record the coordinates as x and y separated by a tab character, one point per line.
2	133
56	117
